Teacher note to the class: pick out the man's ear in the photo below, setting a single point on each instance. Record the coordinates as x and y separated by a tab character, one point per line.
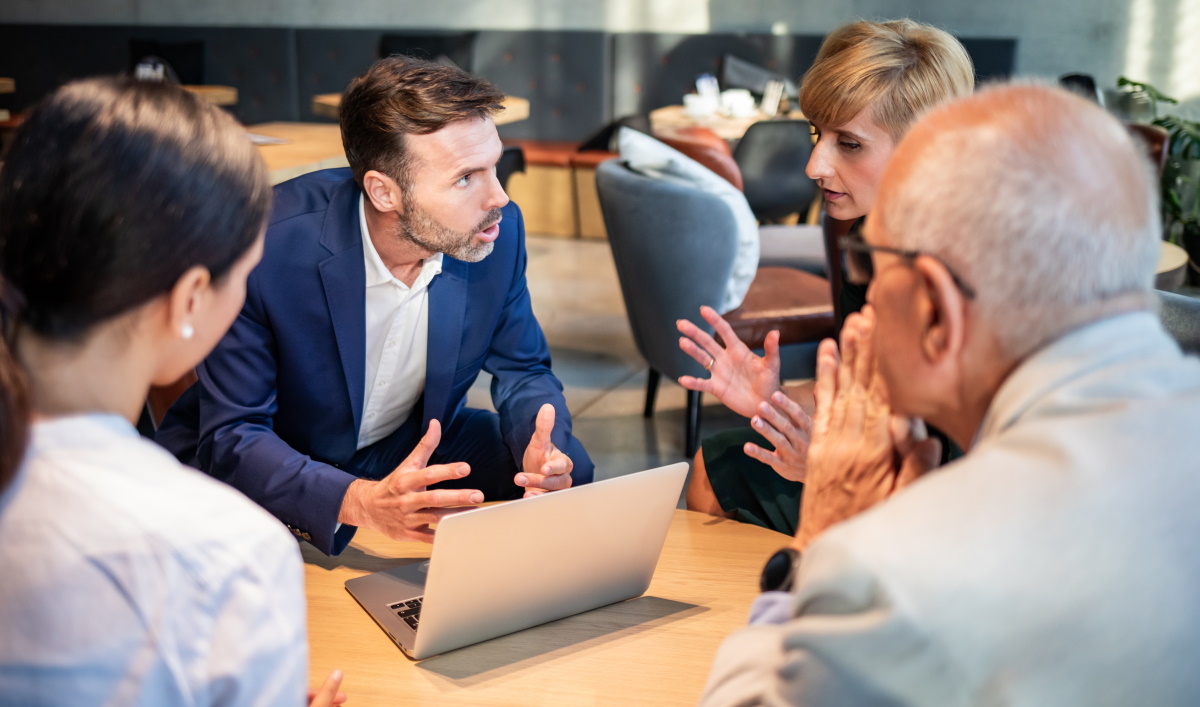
943	311
383	192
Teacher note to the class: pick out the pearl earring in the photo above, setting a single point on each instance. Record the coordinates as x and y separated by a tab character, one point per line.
187	331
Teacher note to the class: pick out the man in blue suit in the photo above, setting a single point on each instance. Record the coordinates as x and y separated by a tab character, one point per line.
336	400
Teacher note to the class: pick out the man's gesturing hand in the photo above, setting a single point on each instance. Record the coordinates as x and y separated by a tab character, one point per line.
738	377
859	454
544	467
399	506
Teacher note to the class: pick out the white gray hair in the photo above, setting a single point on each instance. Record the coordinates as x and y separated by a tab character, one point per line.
1039	200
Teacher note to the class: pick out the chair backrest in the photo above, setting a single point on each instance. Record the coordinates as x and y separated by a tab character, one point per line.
1181	318
707	148
512	159
1154	139
674	248
772	156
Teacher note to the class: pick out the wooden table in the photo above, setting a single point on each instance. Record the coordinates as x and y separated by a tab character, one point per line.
216	95
309	147
515	109
656	649
674	117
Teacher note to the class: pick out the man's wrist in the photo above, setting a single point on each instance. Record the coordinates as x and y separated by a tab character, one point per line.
353	510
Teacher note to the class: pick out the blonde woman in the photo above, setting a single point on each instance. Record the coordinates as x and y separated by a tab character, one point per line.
868	84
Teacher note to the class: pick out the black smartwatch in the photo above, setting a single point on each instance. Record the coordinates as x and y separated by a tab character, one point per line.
779	573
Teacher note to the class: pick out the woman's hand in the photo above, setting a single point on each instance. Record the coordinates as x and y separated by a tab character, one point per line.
738	378
788	428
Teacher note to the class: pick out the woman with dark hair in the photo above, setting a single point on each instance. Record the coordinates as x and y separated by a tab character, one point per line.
130	216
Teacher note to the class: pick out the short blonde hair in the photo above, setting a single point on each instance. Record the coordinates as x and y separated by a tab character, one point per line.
901	68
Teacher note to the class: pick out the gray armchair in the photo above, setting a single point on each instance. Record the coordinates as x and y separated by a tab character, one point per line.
674	248
1181	318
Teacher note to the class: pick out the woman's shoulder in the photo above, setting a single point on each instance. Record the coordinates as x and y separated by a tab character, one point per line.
95	476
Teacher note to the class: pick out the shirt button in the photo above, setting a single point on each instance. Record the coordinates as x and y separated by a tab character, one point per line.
381	384
391	344
371	416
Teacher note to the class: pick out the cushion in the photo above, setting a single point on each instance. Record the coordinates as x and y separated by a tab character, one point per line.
652	158
800	246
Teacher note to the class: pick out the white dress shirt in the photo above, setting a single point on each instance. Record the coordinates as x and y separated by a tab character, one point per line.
397	340
129	579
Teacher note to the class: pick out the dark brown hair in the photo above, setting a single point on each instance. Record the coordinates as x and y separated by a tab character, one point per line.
113	189
399	96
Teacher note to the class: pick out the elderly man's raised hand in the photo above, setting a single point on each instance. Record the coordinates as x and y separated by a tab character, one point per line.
859	454
738	377
544	467
399	505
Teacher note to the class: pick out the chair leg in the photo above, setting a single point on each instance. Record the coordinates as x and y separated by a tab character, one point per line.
651	392
692	436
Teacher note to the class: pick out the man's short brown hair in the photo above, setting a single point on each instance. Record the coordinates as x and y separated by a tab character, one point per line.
402	95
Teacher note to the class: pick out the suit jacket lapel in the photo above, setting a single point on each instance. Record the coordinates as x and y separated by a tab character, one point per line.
344	278
447	311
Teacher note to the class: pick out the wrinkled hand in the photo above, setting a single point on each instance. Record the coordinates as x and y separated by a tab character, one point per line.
788	428
544	466
859	453
328	695
399	506
739	378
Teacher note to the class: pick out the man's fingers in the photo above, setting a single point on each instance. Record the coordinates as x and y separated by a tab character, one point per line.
864	358
326	695
549	482
826	387
430	475
770	431
424	450
442	498
543	426
849	352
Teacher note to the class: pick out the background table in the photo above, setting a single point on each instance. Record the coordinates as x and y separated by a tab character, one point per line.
672	117
656	649
515	109
216	95
309	147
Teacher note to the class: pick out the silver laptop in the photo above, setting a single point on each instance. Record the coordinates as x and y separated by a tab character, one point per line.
503	568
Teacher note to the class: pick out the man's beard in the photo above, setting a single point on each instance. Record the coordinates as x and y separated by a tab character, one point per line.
418	227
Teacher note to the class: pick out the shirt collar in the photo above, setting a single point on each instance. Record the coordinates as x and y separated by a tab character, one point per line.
377	272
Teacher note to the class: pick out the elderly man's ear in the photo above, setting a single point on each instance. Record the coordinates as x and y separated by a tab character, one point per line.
943	309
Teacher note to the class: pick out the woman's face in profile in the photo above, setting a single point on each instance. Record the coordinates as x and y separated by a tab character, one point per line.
847	162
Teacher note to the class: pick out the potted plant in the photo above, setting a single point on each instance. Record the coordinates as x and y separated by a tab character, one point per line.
1181	175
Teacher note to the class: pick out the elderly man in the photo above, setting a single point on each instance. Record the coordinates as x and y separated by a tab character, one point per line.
1013	250
383	290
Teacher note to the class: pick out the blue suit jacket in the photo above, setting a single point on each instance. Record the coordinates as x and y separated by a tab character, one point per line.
279	401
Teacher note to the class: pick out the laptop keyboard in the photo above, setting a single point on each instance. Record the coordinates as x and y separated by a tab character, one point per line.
409	611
